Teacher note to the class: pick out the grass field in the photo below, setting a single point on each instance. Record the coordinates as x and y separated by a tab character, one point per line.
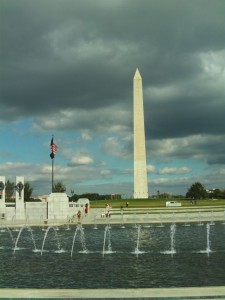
117	203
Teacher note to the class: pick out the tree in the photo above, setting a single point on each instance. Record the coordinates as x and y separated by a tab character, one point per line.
28	190
196	191
9	189
216	194
59	187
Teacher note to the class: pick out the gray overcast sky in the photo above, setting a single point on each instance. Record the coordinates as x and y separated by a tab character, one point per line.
67	67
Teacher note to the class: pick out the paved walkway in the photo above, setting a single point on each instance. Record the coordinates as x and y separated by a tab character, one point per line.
139	216
153	293
157	215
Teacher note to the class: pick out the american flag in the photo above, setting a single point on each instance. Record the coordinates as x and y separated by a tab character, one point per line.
54	148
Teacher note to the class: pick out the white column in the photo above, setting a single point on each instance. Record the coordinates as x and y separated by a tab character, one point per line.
20	210
2	196
58	206
140	168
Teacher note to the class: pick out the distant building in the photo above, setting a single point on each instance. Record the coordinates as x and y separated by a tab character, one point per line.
116	196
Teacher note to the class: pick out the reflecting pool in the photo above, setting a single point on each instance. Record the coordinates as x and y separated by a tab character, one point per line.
113	256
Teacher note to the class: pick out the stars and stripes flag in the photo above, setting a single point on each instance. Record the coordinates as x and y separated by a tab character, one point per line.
54	148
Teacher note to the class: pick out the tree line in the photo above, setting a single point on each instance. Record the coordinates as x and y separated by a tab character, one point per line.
10	188
58	187
196	191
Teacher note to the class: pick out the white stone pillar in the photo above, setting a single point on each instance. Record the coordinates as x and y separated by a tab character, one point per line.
20	210
2	196
58	206
140	168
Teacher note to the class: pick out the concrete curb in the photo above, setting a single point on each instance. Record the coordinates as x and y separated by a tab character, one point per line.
214	292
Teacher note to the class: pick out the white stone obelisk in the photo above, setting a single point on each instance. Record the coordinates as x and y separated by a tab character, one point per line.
140	168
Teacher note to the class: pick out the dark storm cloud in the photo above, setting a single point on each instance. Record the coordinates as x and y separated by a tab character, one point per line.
208	148
183	117
58	55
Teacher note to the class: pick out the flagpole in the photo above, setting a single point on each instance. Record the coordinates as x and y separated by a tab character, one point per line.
53	156
54	148
52	174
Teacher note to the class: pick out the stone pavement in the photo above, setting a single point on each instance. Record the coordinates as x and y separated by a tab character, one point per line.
152	293
138	216
156	215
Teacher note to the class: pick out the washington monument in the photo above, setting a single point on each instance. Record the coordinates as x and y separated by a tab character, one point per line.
140	169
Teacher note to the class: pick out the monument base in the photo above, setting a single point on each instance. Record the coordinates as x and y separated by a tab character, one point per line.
58	204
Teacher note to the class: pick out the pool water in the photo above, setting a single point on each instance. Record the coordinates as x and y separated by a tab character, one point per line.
109	256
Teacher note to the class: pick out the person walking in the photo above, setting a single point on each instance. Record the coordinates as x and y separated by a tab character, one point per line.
86	209
78	216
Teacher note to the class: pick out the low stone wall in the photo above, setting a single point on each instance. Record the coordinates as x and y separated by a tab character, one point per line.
10	212
36	210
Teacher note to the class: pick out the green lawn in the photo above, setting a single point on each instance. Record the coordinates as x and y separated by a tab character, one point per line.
117	203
